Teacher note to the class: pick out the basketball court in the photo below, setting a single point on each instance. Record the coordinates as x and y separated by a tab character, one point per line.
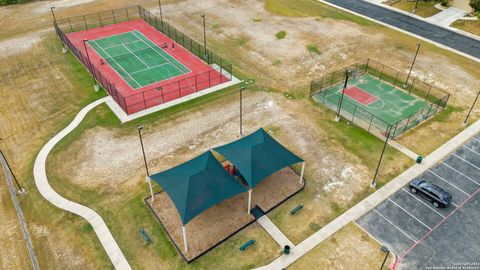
376	98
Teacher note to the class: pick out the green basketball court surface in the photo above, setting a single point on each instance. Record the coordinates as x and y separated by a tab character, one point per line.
137	59
374	101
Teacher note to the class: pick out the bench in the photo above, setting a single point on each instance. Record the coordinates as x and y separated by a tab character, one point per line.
247	244
296	209
145	236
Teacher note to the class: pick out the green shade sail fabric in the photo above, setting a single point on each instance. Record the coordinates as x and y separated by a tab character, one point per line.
197	185
257	156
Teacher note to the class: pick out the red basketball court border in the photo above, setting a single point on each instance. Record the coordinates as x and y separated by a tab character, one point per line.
360	95
202	76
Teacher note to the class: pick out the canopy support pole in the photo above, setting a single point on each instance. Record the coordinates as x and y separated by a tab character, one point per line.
151	189
249	201
301	174
184	238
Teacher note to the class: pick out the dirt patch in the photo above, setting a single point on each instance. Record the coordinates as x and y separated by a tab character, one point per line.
9	47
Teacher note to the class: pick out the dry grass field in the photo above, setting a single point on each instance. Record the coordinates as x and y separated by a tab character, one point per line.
100	163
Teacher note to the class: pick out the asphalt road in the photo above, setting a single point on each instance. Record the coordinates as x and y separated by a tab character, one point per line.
429	31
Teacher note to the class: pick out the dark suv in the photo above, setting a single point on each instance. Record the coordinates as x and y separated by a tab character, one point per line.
437	195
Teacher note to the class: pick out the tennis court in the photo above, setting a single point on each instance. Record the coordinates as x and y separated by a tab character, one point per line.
137	59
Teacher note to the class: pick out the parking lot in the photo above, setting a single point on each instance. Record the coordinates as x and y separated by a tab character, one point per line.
425	237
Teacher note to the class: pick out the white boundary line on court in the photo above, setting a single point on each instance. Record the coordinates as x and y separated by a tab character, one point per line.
409	213
471	149
154	49
141	70
118	45
423	203
115	63
461	173
441	178
358	88
136	56
466	161
411	238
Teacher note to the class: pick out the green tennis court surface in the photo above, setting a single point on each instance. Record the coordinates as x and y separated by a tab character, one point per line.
374	101
138	60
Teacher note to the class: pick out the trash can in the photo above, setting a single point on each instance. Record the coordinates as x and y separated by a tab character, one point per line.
286	249
419	159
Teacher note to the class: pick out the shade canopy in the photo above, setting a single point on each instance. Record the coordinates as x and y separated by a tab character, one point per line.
197	185
257	156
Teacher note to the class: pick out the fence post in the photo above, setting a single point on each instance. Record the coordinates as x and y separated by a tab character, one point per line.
354	111
196	84
396	77
113	15
428	93
395	130
85	22
411	86
333	76
408	121
437	106
209	79
369	125
381	73
100	19
366	67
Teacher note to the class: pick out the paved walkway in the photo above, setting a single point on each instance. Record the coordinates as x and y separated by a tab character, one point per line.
459	42
18	209
373	200
447	17
274	231
108	242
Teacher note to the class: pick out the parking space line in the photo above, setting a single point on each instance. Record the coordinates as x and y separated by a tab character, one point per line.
464	146
476	139
466	176
406	252
423	202
466	161
409	237
409	214
448	182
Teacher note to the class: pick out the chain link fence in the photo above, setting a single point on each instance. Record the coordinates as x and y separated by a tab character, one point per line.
324	91
221	70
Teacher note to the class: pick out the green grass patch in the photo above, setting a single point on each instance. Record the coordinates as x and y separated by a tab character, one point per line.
313	49
281	34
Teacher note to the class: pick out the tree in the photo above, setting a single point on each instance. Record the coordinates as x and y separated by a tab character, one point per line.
475	4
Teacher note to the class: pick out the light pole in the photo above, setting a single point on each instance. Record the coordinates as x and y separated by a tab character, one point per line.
95	85
161	15
53	15
471	109
140	128
374	183
205	38
337	117
21	190
385	250
243	84
413	63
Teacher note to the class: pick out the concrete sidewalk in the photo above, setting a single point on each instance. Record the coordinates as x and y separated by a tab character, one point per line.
373	200
447	17
41	181
274	232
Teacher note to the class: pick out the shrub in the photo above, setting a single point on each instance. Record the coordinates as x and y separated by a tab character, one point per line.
281	35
